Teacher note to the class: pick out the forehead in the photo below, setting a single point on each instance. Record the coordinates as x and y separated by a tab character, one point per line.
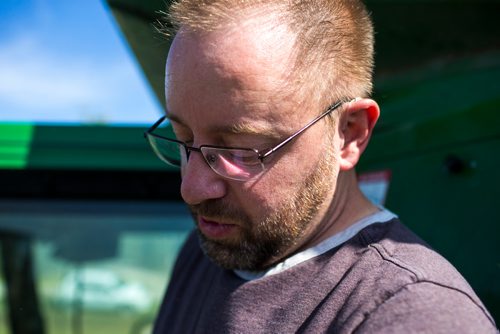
238	71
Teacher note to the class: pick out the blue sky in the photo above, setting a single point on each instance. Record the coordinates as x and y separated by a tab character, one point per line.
66	62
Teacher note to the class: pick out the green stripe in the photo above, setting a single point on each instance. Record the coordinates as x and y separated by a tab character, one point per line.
15	144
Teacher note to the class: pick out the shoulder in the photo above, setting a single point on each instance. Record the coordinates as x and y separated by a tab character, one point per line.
422	307
397	249
413	286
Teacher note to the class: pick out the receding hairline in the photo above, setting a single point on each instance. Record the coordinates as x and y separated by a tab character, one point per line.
220	15
319	68
270	42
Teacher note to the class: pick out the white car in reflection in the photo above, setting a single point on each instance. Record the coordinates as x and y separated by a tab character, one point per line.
101	290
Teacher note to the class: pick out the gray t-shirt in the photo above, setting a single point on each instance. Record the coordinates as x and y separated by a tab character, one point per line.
383	280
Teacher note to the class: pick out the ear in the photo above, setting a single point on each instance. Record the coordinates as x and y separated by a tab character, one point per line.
356	126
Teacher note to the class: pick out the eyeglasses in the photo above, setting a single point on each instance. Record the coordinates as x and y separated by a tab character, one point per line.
235	163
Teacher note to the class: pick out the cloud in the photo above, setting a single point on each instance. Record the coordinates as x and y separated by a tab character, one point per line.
31	77
37	83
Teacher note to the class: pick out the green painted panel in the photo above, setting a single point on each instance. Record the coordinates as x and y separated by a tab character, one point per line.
25	146
92	147
433	108
15	142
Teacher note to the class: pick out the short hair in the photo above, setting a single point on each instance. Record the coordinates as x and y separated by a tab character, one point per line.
334	40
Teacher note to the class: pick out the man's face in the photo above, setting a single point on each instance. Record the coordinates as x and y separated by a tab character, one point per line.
226	88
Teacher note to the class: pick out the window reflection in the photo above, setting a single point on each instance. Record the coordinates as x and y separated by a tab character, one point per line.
86	267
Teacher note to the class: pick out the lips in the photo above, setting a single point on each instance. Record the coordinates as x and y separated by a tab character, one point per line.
214	229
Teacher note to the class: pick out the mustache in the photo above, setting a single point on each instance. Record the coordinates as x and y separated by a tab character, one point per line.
218	209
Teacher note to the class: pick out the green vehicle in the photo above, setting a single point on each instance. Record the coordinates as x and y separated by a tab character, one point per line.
434	159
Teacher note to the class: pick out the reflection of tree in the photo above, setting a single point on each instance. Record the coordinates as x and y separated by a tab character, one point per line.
22	298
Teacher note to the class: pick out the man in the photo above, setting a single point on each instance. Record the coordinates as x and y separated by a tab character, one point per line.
269	104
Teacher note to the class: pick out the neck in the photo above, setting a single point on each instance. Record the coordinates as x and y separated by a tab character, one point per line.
345	209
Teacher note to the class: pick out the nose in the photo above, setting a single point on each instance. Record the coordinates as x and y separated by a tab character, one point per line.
200	182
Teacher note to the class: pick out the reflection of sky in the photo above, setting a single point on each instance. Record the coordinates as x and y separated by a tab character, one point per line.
65	61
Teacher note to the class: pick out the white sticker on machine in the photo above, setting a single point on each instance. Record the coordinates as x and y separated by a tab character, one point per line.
375	185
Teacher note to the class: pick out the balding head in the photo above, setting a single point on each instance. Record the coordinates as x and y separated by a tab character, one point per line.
332	54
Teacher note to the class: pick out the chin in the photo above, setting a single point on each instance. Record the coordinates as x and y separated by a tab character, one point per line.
239	255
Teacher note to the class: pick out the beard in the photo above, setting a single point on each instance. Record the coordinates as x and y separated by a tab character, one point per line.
260	244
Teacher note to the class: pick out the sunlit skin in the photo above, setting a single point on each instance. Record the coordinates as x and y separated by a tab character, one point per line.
227	88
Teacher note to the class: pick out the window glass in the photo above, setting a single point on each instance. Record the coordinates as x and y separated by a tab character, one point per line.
93	267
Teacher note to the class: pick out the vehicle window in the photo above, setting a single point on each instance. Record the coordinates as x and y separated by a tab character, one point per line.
95	267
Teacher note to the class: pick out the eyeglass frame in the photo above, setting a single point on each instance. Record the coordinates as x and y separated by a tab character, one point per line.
261	155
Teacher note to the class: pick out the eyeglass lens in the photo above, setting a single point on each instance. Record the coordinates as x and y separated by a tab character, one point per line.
170	152
236	164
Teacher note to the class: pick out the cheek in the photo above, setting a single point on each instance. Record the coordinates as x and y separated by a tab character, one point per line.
258	199
276	186
285	176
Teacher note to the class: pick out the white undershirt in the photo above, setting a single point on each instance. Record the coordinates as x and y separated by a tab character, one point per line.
335	240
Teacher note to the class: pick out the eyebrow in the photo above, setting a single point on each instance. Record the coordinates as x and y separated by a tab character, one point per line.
257	129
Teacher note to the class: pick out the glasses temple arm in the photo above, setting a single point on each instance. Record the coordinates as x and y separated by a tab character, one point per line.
157	123
289	139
